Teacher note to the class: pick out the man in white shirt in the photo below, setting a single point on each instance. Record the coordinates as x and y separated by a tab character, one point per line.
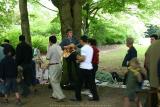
85	71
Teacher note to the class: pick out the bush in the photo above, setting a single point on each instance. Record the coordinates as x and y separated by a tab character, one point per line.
40	42
107	33
11	35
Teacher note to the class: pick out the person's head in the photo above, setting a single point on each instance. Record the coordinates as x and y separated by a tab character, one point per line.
129	42
7	51
22	38
69	33
6	41
83	40
92	42
134	62
153	38
52	39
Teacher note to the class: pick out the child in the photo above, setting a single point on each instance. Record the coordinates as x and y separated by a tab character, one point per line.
133	83
8	67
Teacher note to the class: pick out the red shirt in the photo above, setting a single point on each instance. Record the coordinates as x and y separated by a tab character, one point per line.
95	59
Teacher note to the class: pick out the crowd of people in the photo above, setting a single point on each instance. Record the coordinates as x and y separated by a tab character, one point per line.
81	59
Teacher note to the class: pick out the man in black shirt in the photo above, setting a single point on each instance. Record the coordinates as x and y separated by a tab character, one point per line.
24	59
132	53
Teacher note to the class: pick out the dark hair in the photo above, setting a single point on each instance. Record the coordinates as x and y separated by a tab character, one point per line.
21	38
6	40
92	41
155	36
68	30
53	39
84	38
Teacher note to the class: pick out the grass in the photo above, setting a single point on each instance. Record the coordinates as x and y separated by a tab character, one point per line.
111	59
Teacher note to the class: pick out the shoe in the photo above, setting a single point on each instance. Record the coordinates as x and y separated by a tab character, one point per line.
74	99
93	99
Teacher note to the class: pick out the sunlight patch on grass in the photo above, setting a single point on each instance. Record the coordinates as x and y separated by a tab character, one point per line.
112	59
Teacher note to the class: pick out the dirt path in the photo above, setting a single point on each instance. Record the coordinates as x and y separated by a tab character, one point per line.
109	97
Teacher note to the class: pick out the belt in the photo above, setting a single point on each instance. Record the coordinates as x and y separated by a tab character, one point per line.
53	63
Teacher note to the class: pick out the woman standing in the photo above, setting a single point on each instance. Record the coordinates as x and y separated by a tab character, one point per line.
54	55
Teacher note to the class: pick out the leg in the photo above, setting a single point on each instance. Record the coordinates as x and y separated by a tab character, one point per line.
57	91
95	68
138	102
27	74
126	102
79	83
92	85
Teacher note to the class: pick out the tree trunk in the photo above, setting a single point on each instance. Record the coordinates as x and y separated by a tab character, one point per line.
65	16
77	18
25	20
70	15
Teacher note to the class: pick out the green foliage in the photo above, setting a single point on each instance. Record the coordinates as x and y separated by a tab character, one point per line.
6	13
116	28
40	42
11	35
152	29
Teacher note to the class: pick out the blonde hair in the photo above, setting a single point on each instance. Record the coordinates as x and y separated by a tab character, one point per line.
134	62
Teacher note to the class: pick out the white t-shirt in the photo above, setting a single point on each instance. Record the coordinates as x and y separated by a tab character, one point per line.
87	52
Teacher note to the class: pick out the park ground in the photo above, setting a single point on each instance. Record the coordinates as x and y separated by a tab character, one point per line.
110	60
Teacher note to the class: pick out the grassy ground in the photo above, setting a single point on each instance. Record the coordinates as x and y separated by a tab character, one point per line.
110	60
111	57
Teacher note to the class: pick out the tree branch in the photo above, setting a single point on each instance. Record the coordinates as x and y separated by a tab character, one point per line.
44	6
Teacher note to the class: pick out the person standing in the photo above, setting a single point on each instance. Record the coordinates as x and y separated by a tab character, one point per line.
152	57
95	59
24	59
69	39
8	67
54	55
132	53
153	38
67	74
85	71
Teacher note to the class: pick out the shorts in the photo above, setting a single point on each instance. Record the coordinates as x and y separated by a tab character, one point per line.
11	85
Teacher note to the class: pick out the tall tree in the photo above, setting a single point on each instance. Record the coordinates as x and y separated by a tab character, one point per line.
6	13
25	20
70	12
